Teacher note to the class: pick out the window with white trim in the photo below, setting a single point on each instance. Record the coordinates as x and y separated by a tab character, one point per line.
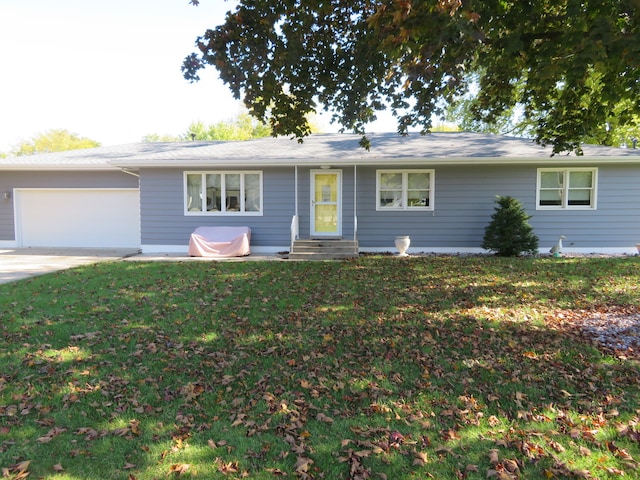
567	188
404	190
223	193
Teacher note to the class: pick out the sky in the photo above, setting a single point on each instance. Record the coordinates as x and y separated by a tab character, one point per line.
108	70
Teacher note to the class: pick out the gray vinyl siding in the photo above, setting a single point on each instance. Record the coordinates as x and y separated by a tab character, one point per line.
165	223
53	179
615	222
464	202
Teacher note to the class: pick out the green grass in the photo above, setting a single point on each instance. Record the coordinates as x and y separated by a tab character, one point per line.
431	367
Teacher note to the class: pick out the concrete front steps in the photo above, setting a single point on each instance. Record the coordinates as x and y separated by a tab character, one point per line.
324	249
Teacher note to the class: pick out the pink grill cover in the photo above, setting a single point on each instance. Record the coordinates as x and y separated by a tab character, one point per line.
220	242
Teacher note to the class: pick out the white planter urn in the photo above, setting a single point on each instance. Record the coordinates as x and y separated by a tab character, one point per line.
402	244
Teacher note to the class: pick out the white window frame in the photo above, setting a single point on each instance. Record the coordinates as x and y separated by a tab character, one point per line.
405	188
223	209
564	204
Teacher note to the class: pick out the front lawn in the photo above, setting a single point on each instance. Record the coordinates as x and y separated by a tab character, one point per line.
384	368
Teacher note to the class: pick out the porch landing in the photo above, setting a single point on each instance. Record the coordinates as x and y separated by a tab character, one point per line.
323	249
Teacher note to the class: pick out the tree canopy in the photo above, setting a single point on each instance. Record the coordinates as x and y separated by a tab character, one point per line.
242	127
573	66
54	140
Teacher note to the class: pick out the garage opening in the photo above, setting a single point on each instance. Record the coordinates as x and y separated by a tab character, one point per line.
78	217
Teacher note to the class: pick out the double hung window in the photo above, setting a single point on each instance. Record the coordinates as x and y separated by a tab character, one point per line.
219	193
404	190
567	188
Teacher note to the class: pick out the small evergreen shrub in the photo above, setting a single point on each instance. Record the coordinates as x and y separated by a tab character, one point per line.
509	233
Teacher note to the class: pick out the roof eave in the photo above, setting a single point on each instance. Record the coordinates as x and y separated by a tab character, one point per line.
55	168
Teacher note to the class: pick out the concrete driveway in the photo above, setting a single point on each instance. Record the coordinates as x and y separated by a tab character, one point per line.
20	263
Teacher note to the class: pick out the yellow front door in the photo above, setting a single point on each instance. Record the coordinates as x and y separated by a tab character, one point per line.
326	210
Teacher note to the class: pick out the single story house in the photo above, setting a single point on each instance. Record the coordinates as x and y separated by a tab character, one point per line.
439	189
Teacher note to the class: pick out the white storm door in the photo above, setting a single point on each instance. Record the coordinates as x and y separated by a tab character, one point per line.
326	203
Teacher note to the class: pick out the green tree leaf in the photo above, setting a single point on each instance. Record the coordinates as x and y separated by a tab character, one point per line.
571	66
56	140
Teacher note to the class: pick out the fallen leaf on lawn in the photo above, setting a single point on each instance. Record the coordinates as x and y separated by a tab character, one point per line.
58	467
19	470
614	471
556	446
494	457
321	417
499	474
511	466
276	472
54	432
444	451
179	468
420	459
129	466
302	465
231	467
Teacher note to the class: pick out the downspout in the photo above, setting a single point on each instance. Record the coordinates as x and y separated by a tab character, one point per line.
355	202
295	228
296	190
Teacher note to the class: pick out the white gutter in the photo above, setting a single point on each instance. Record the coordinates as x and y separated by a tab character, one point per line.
129	172
287	162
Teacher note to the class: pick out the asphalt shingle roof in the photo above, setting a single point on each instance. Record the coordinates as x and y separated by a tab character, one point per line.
336	149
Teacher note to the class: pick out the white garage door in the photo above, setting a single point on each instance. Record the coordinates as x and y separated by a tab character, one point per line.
78	217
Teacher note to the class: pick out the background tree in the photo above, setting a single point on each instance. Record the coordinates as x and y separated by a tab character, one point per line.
509	233
572	65
55	140
165	137
242	127
513	122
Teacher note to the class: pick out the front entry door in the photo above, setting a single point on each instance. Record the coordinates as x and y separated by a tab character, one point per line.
326	208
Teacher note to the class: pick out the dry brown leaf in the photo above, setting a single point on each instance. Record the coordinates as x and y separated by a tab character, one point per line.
321	417
420	459
302	465
494	457
21	467
511	466
556	446
499	474
179	468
